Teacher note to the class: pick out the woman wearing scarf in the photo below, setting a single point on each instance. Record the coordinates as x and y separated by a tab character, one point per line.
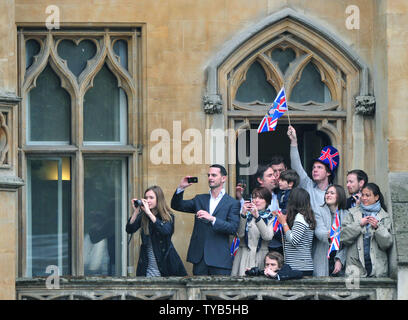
255	231
367	233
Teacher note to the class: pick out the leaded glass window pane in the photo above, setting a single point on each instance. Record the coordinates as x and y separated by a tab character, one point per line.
105	107
48	216
121	49
255	87
76	55
310	87
49	110
105	205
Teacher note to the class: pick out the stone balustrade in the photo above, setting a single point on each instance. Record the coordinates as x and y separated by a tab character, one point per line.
206	288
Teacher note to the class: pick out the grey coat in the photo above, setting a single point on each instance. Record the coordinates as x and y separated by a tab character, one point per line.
321	245
352	235
322	213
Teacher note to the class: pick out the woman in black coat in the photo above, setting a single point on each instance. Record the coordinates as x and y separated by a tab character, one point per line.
157	257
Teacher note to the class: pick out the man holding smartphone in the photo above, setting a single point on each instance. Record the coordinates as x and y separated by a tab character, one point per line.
216	218
356	180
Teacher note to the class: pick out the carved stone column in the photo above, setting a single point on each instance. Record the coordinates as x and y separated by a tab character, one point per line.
9	181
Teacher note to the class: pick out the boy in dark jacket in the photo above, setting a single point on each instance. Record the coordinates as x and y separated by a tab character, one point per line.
288	180
275	268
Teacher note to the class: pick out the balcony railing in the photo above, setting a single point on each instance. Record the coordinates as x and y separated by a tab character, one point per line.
206	288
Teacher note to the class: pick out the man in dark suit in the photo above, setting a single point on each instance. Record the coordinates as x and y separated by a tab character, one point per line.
216	218
356	180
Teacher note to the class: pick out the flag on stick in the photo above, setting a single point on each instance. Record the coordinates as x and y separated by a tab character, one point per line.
234	246
276	111
335	234
276	224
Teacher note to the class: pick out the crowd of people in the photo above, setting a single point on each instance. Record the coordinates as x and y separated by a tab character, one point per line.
292	225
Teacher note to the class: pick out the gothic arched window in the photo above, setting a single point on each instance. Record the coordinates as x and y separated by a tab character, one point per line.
78	91
320	74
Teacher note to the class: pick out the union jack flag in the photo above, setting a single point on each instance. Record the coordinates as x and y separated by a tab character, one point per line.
276	111
234	246
335	234
276	224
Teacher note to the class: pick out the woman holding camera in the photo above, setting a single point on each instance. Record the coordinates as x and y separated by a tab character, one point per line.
255	231
157	257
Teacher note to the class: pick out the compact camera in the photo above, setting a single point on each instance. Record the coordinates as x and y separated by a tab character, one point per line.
137	203
192	180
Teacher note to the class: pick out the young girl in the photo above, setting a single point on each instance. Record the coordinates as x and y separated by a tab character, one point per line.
298	226
158	257
335	200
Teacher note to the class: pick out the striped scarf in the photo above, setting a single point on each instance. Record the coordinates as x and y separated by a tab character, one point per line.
265	215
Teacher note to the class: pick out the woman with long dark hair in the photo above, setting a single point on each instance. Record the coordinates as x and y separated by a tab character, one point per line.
157	257
367	232
330	263
298	226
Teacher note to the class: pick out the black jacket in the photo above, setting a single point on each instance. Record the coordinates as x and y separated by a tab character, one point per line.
285	273
167	258
350	202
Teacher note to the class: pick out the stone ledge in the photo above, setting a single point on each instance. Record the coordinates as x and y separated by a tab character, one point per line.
208	288
7	97
196	280
10	182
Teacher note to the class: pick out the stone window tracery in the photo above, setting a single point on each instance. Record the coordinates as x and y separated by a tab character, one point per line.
79	87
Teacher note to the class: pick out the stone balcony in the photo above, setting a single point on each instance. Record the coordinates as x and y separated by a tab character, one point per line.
207	288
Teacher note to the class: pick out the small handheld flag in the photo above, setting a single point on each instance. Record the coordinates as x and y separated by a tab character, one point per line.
335	234
234	246
276	224
276	111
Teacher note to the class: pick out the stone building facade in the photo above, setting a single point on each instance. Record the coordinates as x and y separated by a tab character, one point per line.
100	99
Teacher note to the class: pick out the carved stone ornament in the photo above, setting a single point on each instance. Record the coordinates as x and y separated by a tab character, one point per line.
212	104
365	105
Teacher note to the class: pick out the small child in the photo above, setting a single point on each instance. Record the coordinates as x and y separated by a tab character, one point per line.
288	180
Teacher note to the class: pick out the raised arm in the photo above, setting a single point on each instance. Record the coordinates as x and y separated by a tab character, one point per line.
295	162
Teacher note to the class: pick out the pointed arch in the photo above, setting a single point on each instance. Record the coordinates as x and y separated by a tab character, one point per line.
340	69
286	21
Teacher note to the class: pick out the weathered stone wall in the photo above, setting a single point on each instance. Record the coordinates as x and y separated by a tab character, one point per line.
397	131
399	198
8	136
182	36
